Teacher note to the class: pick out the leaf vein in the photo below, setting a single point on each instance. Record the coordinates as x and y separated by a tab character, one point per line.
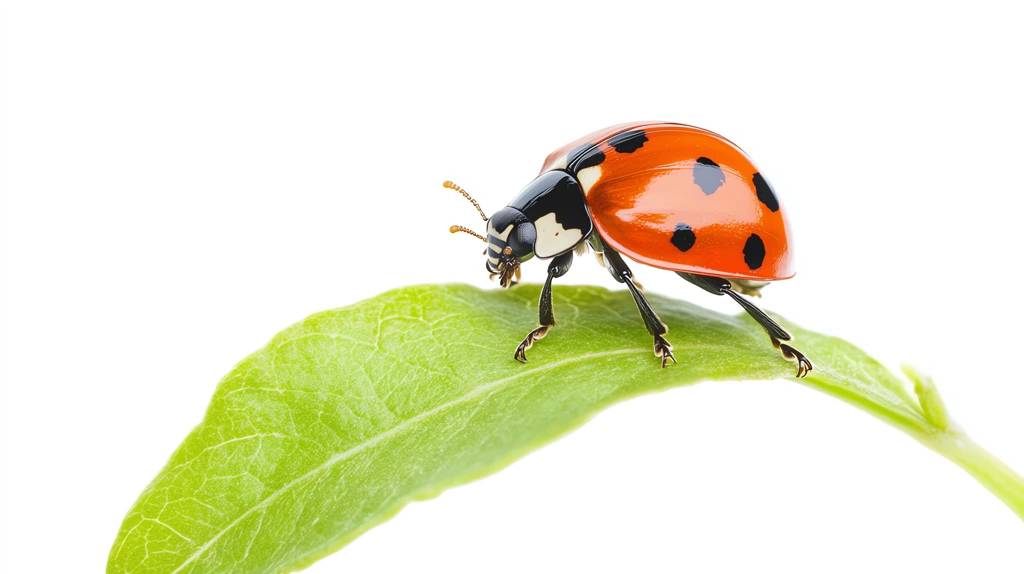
482	389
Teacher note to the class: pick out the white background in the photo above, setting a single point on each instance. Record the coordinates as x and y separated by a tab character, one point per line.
184	180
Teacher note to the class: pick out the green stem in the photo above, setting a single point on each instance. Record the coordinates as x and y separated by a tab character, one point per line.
934	429
998	478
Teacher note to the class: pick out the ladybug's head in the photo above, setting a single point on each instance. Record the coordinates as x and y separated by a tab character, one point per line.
510	239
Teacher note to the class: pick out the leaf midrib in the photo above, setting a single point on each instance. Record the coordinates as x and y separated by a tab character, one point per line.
344	455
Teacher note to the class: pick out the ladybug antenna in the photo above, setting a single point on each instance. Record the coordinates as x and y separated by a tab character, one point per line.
458	228
451	185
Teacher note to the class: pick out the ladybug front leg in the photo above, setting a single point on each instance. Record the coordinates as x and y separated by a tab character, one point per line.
622	274
559	266
719	286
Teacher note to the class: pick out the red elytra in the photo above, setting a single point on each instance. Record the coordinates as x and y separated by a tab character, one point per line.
638	200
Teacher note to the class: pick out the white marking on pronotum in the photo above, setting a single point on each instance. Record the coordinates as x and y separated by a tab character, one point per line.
503	235
552	238
493	260
493	247
588	177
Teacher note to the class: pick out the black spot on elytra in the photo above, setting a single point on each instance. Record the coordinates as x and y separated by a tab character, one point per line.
683	237
765	193
595	157
628	142
707	175
584	156
753	252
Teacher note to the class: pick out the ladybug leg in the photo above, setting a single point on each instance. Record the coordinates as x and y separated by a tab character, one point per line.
804	365
559	266
719	286
622	274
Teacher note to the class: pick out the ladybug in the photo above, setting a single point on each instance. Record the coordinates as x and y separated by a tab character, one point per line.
668	195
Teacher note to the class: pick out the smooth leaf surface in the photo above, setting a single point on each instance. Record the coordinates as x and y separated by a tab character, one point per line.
347	416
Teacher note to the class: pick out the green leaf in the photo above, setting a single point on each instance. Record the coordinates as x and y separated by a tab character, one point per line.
352	413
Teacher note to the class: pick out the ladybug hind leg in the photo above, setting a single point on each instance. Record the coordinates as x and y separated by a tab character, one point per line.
657	329
719	286
559	266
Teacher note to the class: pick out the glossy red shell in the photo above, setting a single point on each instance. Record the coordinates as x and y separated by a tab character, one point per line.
650	203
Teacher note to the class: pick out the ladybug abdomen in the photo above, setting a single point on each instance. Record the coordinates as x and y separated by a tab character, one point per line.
685	199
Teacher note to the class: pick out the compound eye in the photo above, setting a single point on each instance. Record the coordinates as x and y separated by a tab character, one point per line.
522	239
